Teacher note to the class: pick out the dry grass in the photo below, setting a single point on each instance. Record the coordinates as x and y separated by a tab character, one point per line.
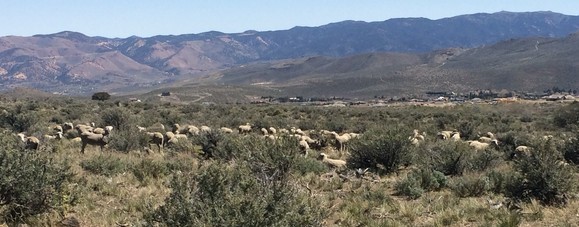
122	199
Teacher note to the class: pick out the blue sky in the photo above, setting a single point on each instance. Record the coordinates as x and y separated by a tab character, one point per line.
124	18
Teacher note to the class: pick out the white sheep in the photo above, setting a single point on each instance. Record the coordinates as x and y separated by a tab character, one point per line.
66	126
91	138
304	147
488	138
444	135
455	136
30	142
243	129
354	135
58	136
522	150
205	129
171	138
226	130
414	141
417	135
341	139
264	131
335	163
58	128
156	138
141	129
272	130
479	146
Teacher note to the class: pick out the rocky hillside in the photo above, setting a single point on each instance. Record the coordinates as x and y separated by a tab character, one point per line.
529	64
76	64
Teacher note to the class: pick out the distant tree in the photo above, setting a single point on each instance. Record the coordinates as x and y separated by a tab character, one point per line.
101	96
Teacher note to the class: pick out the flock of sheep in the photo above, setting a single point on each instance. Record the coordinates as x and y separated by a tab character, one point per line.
88	134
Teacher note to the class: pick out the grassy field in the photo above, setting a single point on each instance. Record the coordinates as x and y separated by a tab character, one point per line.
219	179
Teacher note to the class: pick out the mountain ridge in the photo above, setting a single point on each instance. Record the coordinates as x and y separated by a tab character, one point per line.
78	64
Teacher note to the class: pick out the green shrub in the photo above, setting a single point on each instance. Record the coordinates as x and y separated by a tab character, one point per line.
448	157
124	140
225	195
382	150
419	181
210	144
409	187
571	150
104	164
567	116
498	180
304	165
148	169
101	96
467	128
32	183
472	185
20	118
542	176
487	159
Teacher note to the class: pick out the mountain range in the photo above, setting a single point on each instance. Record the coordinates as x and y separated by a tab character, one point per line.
528	51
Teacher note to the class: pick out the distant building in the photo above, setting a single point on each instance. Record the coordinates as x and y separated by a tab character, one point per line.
166	93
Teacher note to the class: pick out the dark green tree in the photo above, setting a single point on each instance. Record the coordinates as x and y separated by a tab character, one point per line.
101	96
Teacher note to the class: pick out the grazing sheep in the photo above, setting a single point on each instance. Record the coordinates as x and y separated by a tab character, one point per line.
341	139
66	126
30	142
417	135
98	131
414	141
334	163
58	136
156	138
304	147
91	138
205	129
479	146
444	135
177	129
354	135
283	131
76	140
455	136
141	129
264	131
522	151
226	130
58	128
171	138
299	132
243	129
485	139
272	130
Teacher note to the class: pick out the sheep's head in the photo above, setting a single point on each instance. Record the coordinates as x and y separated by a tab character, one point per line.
22	137
322	156
495	142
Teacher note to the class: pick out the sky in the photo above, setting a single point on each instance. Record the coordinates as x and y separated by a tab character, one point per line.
145	18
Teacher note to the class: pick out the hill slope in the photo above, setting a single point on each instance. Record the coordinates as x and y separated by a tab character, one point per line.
74	63
531	64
